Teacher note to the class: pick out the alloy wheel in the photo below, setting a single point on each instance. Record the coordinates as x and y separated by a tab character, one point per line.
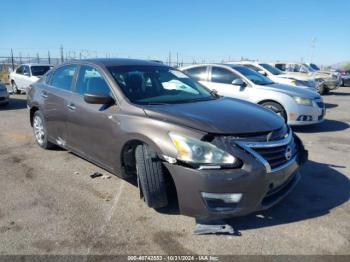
39	130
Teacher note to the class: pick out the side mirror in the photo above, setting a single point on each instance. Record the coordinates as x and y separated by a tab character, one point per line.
25	73
262	72
238	82
97	98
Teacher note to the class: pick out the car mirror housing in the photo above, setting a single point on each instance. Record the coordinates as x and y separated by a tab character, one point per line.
98	98
262	72
238	82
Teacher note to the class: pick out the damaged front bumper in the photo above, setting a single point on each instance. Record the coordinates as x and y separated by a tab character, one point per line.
224	193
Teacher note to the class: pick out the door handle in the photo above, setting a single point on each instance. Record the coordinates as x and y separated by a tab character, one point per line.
71	107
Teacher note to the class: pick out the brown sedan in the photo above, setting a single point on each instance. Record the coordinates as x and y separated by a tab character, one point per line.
142	119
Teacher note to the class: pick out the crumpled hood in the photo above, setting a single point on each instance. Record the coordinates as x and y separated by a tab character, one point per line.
220	116
292	90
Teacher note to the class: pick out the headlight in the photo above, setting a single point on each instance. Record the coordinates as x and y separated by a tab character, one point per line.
303	101
195	151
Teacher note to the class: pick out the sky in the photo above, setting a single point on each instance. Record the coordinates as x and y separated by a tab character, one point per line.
197	30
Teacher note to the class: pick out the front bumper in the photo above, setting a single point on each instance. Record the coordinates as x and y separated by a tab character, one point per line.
4	97
307	115
260	189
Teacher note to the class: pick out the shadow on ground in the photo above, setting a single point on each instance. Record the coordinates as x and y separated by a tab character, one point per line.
330	105
326	126
320	189
14	104
336	93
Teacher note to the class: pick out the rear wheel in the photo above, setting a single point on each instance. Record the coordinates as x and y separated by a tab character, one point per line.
277	108
40	131
15	88
150	177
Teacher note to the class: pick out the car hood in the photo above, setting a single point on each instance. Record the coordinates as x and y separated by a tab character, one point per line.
292	90
219	116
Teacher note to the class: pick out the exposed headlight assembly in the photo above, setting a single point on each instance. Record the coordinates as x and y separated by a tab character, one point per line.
194	151
302	101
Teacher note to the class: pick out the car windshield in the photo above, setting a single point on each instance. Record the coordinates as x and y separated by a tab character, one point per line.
273	70
253	76
315	67
40	70
158	85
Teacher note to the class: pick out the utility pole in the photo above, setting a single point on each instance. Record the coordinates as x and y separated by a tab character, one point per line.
177	59
61	51
48	56
12	61
37	58
169	58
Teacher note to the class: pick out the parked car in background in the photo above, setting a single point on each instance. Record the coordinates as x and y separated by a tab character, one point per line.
141	119
325	81
345	77
279	76
297	106
4	95
25	75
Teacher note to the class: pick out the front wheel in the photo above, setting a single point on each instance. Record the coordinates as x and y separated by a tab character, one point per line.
40	131
277	108
150	177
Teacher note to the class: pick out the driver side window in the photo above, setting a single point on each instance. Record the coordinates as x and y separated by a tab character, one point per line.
91	81
222	75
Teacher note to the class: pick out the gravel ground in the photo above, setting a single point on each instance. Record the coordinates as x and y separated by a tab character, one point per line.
50	205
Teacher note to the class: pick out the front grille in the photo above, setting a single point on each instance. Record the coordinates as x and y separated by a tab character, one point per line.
279	155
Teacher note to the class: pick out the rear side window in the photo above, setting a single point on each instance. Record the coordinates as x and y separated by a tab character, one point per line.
197	73
253	67
222	75
62	77
26	70
19	70
91	81
281	67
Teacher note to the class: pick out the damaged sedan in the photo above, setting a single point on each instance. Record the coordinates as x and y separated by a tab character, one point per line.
144	120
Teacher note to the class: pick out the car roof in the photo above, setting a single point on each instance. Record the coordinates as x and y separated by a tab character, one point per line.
122	62
34	64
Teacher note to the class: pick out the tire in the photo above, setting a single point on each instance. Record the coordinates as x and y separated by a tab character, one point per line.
342	83
322	89
15	88
40	131
150	177
277	108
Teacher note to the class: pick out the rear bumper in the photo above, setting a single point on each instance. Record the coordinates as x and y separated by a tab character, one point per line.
260	190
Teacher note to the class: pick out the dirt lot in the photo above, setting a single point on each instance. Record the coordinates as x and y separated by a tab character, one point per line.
47	208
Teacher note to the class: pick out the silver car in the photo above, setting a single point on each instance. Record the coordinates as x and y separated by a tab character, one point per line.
297	106
4	95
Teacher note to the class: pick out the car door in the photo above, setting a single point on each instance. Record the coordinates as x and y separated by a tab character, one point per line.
221	80
18	77
55	97
92	128
26	77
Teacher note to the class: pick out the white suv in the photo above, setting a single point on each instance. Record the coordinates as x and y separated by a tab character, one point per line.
27	74
279	76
